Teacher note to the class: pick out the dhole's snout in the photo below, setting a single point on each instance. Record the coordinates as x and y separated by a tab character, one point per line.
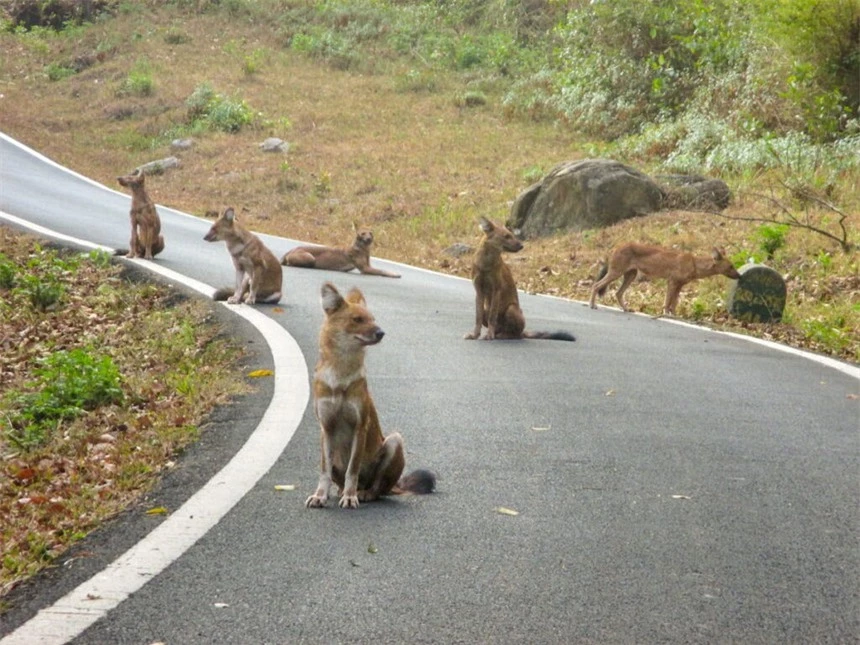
371	338
210	236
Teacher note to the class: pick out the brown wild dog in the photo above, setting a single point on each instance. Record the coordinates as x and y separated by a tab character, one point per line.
258	273
356	457
338	259
497	305
146	239
678	267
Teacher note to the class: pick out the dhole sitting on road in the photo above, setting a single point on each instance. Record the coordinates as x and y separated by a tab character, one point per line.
258	273
338	259
497	305
678	267
146	240
355	456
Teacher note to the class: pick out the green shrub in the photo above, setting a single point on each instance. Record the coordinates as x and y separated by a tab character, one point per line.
230	115
7	272
771	238
139	81
57	72
217	112
43	292
66	384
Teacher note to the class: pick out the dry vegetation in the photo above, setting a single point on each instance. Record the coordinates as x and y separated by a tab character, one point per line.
102	381
396	148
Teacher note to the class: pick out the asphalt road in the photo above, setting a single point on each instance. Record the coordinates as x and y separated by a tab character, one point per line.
672	484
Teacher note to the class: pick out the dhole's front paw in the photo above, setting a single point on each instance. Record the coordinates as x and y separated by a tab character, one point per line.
470	336
233	300
316	501
250	298
349	501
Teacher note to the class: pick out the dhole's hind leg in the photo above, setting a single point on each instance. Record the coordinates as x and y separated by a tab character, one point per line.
610	277
629	277
511	323
388	466
299	258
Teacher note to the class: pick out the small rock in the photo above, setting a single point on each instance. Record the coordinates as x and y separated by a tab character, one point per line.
181	144
273	144
158	167
458	249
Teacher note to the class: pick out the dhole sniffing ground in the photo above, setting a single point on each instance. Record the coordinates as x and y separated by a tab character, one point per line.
416	153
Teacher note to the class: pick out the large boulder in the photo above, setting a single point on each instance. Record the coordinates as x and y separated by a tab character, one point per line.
579	195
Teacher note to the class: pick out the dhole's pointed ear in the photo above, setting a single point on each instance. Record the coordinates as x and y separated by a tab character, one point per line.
330	298
355	226
355	297
229	214
485	224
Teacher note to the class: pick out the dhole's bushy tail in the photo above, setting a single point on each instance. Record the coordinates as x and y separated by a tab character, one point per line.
604	269
549	335
419	482
222	294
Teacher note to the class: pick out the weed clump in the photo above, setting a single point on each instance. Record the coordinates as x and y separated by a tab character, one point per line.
66	384
209	110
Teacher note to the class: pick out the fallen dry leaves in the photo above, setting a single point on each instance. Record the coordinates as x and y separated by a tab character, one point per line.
89	468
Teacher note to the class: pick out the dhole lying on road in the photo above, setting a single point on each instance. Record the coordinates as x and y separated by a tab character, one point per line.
355	455
338	259
146	239
258	273
497	305
678	267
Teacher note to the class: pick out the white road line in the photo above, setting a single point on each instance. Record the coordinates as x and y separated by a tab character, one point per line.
93	599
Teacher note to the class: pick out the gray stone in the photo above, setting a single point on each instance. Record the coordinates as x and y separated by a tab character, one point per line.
759	296
579	195
181	144
273	144
159	166
694	192
459	249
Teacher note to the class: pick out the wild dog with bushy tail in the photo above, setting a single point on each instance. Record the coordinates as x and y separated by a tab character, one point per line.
356	457
678	267
146	239
258	272
497	305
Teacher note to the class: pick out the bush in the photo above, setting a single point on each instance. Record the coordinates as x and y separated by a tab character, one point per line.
139	81
771	238
66	384
217	112
7	272
57	72
55	14
43	292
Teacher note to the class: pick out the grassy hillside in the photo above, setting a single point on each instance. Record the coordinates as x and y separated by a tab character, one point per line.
415	141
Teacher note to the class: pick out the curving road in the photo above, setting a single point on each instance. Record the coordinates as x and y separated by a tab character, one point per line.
673	484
